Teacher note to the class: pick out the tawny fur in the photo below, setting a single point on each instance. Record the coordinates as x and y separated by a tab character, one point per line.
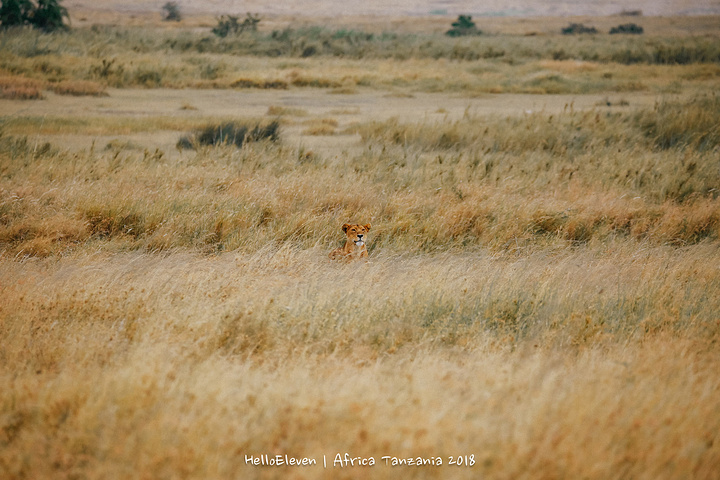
354	244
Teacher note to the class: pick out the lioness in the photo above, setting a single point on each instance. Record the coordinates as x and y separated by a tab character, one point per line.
354	245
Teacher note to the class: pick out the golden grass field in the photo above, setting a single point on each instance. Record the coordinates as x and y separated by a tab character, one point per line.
541	299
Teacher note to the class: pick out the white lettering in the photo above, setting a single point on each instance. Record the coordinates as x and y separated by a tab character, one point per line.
348	461
411	462
279	460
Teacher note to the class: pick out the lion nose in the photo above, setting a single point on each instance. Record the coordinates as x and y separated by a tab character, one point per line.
360	235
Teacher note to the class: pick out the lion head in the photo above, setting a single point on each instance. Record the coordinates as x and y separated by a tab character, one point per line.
355	242
356	234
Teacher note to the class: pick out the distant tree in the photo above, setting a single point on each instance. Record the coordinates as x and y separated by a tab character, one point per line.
47	15
15	12
172	12
463	26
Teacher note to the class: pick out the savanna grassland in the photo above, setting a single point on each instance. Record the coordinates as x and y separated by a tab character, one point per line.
542	296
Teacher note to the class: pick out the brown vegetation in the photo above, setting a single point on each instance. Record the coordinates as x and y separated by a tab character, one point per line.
20	88
540	299
79	88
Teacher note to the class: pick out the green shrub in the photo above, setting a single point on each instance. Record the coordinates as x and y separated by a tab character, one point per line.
49	16
463	26
229	24
230	133
578	28
15	12
172	12
630	28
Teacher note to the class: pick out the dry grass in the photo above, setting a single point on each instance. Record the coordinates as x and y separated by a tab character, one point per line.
320	126
79	88
20	88
278	111
505	184
545	366
661	24
540	311
541	297
99	125
350	60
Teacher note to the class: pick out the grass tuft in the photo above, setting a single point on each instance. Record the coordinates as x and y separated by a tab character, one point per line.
20	88
694	125
79	88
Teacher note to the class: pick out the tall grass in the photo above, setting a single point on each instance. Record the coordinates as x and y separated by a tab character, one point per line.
502	183
312	41
674	124
542	366
20	88
150	58
540	299
633	153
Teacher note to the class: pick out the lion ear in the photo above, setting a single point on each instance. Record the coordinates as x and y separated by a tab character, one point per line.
345	227
367	226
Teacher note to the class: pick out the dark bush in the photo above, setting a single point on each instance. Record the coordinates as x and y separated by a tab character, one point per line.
229	24
463	26
226	25
16	12
578	28
47	15
224	134
172	12
271	132
629	28
309	51
230	133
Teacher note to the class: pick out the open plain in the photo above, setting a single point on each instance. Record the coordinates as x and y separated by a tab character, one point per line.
542	294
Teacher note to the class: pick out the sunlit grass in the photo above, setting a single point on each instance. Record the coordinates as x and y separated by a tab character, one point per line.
20	88
149	58
499	183
541	295
79	88
179	364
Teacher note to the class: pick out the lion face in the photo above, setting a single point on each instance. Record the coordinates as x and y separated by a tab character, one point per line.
356	234
354	247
